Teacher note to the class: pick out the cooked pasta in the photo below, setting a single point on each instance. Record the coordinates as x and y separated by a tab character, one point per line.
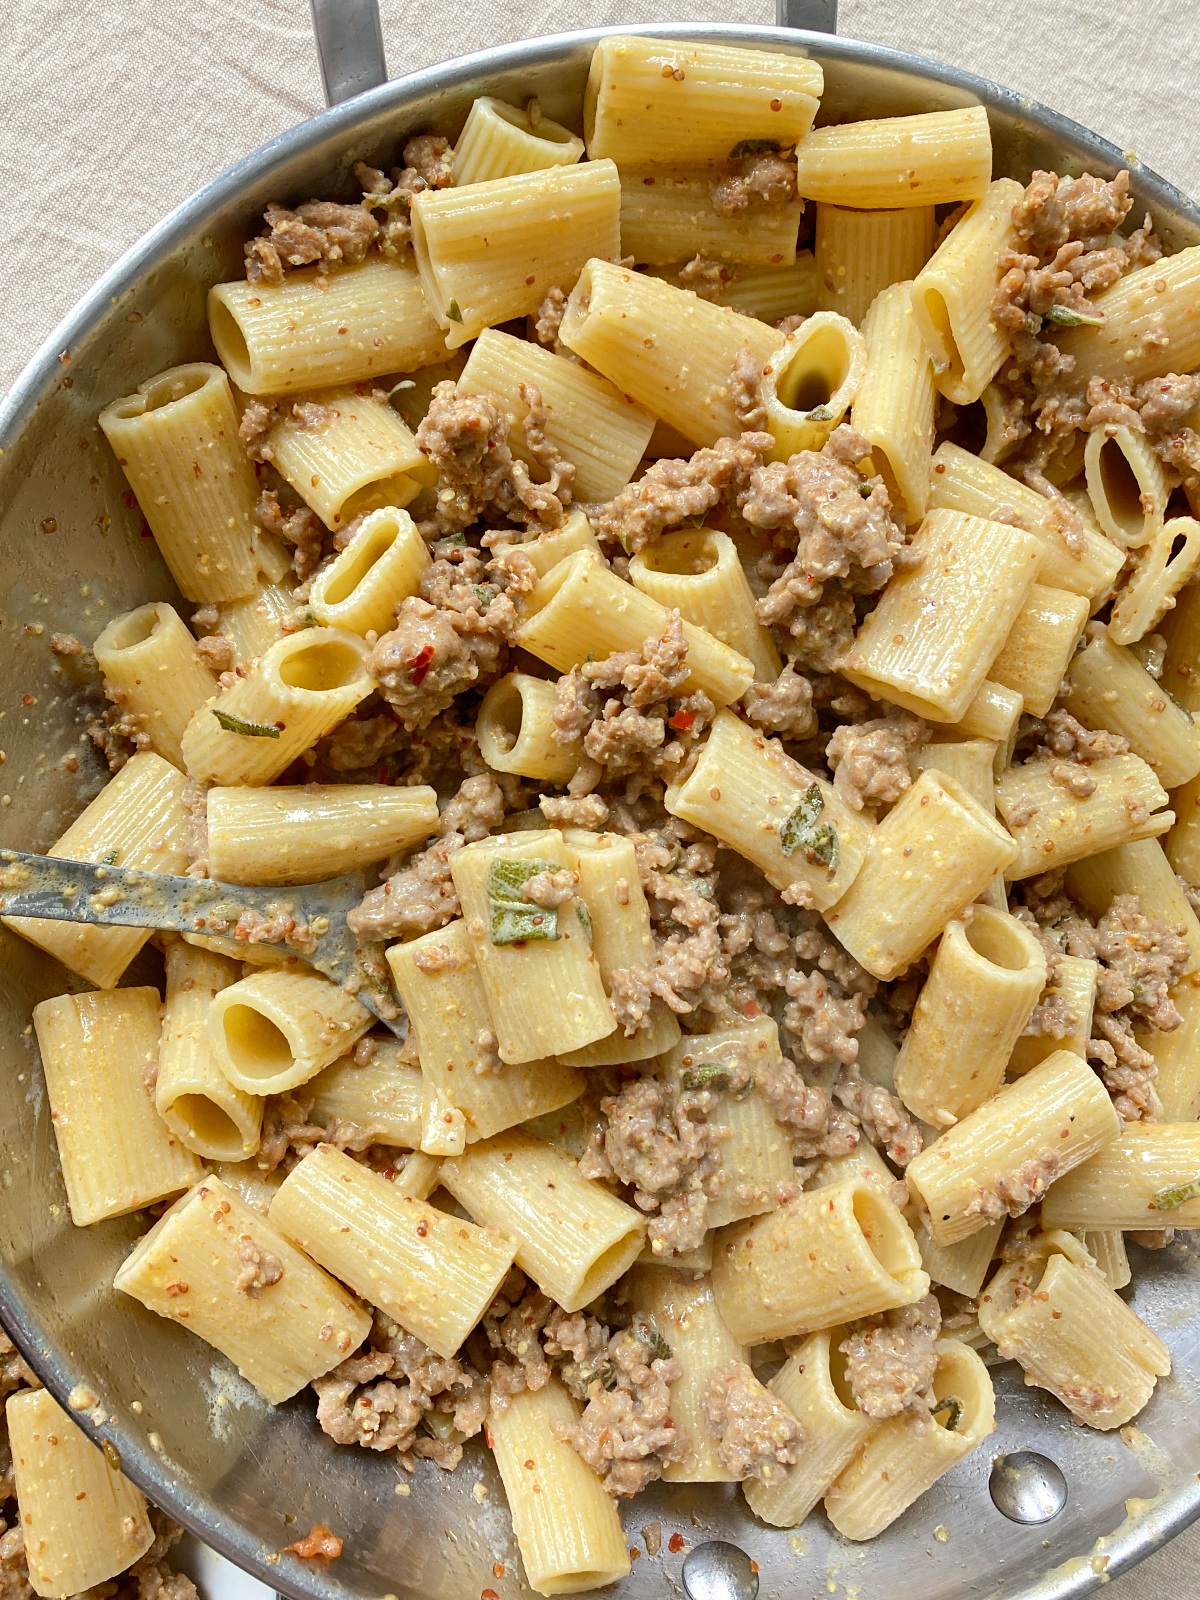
764	799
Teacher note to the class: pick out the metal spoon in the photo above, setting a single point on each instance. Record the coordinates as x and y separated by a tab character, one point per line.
80	891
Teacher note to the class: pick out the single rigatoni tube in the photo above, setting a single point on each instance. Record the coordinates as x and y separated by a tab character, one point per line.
541	981
81	1522
381	1101
1140	869
438	981
1157	577
893	408
825	1258
813	1385
772	293
137	820
756	1172
894	908
295	694
541	227
1039	647
302	833
683	1309
1056	1314
1149	1178
224	1272
346	454
1085	563
253	624
432	1273
971	763
1181	668
696	571
176	439
940	624
861	253
116	1152
791	824
553	545
499	140
588	420
671	101
315	330
152	670
192	1095
1150	325
986	978
864	1162
573	1237
888	163
1110	688
360	588
1075	988
668	350
516	728
1126	485
1002	1158
1052	827
907	1455
567	1528
1177	1056
1106	1246
810	382
667	215
953	294
963	1266
275	1030
582	608
611	889
995	715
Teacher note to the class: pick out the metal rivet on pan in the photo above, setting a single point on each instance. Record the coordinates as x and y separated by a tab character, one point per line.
1027	1487
719	1571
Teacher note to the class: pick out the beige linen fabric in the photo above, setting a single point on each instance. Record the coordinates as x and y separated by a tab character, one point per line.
114	113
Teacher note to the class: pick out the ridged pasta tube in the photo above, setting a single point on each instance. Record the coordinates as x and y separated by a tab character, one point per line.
894	404
176	439
885	163
697	572
153	671
274	1030
499	140
667	215
827	1257
1111	689
1052	827
1034	658
295	694
861	253
1145	1179
810	382
515	728
1158	300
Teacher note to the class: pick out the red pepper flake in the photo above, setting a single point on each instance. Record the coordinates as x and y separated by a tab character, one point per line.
488	1594
682	720
418	666
498	1570
129	498
753	1565
752	1009
676	1543
317	1544
382	775
28	700
146	533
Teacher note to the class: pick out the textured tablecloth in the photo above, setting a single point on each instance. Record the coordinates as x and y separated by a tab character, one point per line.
114	113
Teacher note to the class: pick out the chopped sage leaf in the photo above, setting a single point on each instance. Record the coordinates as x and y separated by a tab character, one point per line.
485	593
819	414
585	916
803	830
1068	317
953	1408
706	1075
248	730
1177	1195
644	1330
453	312
109	859
514	918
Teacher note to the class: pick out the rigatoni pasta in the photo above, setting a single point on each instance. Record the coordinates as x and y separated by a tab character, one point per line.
153	670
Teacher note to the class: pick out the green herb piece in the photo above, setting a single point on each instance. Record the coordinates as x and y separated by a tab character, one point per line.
603	1372
248	730
1178	1195
819	414
804	830
453	312
954	1410
109	859
644	1330
485	593
514	918
1068	317
706	1075
866	490
585	916
756	147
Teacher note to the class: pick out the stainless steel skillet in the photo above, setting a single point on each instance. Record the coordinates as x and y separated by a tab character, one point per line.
248	1481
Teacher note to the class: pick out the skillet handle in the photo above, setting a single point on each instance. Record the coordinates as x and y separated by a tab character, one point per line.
817	16
349	47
